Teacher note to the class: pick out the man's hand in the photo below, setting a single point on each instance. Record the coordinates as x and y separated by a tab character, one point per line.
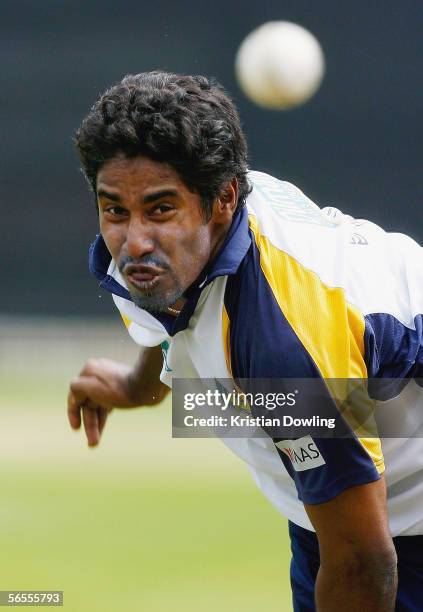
104	384
357	556
101	386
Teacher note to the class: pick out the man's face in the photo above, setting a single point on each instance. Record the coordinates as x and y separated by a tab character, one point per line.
153	227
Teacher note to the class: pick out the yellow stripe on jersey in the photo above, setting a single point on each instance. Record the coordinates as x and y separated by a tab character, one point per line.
226	338
227	350
126	320
330	329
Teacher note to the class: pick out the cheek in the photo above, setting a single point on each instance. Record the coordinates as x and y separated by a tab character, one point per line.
113	238
195	253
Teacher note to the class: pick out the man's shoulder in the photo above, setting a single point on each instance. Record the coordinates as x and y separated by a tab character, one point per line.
283	202
292	233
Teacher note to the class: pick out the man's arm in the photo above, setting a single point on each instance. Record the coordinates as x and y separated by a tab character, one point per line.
104	384
357	556
144	384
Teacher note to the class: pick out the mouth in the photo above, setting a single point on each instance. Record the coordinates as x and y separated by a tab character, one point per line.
143	278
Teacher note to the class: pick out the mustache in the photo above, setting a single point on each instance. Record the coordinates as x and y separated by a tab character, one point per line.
145	260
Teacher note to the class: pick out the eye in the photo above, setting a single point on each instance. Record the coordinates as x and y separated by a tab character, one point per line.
162	209
115	211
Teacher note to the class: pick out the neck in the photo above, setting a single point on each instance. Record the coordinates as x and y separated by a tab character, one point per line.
176	308
221	233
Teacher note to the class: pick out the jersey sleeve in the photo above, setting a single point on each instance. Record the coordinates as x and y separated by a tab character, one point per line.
323	468
394	350
394	323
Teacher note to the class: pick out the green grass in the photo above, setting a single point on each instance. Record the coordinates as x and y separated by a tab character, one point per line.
143	522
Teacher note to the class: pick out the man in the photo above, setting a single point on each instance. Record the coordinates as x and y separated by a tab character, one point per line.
238	275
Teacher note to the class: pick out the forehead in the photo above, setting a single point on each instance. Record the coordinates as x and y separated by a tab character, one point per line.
140	173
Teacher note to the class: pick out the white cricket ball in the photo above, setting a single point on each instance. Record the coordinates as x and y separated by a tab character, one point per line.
279	65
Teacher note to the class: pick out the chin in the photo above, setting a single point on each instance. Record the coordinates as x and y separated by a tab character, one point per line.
154	304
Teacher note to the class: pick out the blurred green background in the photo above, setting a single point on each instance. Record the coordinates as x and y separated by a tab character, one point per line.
143	522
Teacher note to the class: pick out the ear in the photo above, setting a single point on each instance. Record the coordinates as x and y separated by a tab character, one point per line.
226	203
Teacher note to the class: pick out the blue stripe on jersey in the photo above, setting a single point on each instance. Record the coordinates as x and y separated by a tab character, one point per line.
393	350
99	260
264	345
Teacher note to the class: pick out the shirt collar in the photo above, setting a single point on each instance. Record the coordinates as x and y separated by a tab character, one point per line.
226	262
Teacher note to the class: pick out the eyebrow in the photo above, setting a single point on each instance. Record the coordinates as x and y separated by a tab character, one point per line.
157	195
102	193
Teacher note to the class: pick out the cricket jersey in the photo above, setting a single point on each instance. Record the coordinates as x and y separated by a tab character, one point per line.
300	292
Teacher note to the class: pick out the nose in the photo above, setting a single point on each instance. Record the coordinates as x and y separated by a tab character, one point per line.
138	239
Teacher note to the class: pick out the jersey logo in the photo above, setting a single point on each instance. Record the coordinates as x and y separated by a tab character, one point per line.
288	202
357	238
303	453
165	348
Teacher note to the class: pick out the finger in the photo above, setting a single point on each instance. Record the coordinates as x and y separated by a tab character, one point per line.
91	388
74	411
90	367
102	415
90	419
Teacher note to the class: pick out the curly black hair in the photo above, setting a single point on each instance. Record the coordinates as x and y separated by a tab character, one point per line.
188	122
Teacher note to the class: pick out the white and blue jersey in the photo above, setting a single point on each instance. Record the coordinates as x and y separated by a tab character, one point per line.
297	292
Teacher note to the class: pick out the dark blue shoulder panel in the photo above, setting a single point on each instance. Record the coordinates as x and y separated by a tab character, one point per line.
263	344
